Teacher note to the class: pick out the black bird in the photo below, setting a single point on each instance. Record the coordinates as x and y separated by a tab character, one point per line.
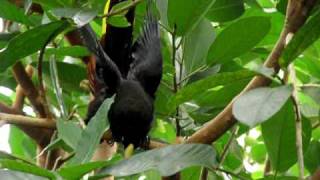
131	114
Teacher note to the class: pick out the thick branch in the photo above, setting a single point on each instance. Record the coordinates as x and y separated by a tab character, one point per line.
28	87
27	121
297	13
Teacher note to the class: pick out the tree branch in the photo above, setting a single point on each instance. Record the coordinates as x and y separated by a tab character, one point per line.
299	145
27	121
29	89
297	13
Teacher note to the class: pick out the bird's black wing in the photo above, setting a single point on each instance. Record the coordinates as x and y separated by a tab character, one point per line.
146	53
106	70
117	41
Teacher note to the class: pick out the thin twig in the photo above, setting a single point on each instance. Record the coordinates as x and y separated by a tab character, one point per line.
175	84
201	68
227	146
230	173
298	118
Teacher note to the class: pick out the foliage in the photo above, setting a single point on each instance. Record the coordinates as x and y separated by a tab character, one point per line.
211	49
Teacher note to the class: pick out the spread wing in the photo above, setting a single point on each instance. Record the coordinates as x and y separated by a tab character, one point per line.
105	68
117	41
146	54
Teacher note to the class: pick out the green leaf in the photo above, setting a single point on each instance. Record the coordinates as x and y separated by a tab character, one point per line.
225	10
118	21
29	42
73	51
69	132
238	38
79	16
16	175
312	157
121	5
163	11
7	36
21	144
186	14
70	75
91	135
167	160
5	155
49	3
190	91
27	168
258	105
11	12
196	45
279	137
258	153
307	35
260	69
77	171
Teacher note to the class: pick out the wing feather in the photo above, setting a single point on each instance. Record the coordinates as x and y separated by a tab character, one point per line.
146	54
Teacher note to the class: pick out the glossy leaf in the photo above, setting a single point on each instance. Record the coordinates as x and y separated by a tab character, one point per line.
167	160
258	105
279	137
73	51
225	10
186	14
238	38
91	135
22	45
306	36
118	21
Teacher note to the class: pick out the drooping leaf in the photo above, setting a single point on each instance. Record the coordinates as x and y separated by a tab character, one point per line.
91	135
258	105
29	42
238	38
225	10
279	137
196	45
306	36
186	14
167	161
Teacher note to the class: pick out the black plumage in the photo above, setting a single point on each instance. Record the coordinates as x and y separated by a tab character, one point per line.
131	114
